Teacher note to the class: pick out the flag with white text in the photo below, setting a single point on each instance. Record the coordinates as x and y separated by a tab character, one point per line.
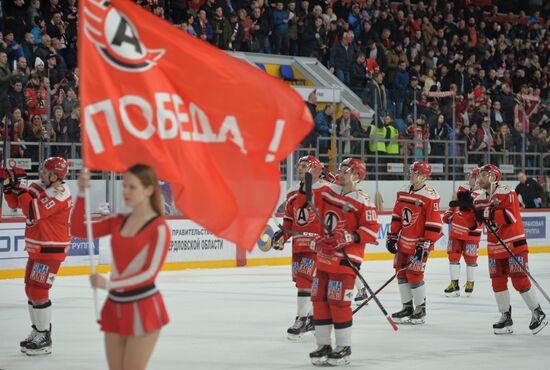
213	126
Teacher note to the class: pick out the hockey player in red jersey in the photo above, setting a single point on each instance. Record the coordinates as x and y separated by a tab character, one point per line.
464	236
46	206
134	312
498	206
415	227
353	222
299	217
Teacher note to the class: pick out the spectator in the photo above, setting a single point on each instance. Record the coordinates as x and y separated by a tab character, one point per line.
39	29
17	97
399	86
221	29
19	133
203	28
311	104
349	129
358	75
503	139
323	124
5	79
33	12
529	191
13	49
260	29
342	57
73	125
439	132
36	96
486	136
281	18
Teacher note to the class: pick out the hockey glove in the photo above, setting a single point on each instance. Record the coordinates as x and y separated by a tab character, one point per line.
340	238
448	216
278	240
422	249
391	243
484	214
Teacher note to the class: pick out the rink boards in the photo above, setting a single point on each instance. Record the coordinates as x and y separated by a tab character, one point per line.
192	246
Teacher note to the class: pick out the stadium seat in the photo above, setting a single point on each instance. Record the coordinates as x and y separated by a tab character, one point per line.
287	74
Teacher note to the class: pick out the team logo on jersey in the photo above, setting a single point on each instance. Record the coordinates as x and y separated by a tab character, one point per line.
516	267
334	290
307	267
303	216
471	250
408	217
331	220
117	39
39	272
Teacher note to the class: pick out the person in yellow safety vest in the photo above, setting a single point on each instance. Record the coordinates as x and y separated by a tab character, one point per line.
377	134
392	135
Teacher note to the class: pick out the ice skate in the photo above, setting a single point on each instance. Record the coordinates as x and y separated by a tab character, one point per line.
403	316
319	357
297	329
419	315
361	296
41	344
24	343
538	321
339	356
469	288
309	326
453	290
505	324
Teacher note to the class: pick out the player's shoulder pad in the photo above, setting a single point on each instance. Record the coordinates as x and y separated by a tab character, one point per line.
60	192
428	192
480	195
503	190
463	187
405	188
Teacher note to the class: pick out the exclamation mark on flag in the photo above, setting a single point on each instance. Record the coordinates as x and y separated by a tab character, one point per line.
275	141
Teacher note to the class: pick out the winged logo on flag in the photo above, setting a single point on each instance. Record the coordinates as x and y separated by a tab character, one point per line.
117	39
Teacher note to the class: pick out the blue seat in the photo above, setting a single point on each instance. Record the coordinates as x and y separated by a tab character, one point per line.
287	74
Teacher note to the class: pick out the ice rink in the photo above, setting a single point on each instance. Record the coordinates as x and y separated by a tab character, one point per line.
237	319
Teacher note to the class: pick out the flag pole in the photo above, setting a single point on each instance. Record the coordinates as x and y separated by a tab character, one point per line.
89	233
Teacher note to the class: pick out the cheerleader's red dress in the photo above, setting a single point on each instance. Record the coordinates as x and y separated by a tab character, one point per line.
134	306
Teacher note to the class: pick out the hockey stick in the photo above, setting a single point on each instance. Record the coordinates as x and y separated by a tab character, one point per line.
364	303
309	193
492	230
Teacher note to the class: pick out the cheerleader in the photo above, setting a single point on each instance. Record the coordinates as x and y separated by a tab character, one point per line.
134	311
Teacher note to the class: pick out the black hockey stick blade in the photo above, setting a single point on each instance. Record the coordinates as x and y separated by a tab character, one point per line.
309	191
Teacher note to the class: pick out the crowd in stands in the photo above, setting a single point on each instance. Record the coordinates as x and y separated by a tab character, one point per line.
38	75
396	56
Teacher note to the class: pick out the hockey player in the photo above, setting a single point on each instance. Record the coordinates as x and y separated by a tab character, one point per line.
498	206
46	206
415	227
134	312
353	222
299	217
464	236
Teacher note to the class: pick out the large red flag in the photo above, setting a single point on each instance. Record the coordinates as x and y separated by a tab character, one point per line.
212	125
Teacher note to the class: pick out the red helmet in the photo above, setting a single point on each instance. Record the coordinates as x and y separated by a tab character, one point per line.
422	168
357	166
58	166
474	172
327	175
311	160
492	169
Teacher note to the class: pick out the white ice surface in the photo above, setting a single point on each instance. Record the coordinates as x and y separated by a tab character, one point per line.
237	319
